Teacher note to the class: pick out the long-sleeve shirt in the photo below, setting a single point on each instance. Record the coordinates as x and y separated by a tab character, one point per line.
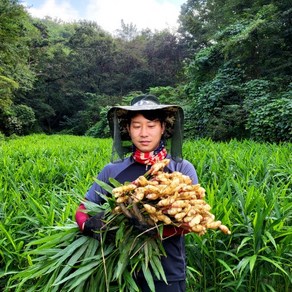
174	263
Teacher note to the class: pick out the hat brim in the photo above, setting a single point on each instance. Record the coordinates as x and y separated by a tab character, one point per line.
144	107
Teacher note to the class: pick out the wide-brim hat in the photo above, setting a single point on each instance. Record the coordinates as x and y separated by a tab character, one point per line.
119	119
120	115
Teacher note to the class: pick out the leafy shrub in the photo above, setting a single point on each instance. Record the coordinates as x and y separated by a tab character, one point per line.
101	128
169	95
269	113
216	110
19	120
26	116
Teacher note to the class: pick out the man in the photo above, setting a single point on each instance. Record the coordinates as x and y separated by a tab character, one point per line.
145	128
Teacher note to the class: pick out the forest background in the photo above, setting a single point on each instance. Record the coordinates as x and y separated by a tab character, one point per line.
228	66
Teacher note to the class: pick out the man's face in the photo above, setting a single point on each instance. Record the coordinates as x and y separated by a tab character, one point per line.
145	134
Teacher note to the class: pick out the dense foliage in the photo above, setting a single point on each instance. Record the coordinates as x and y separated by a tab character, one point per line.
229	65
240	72
43	179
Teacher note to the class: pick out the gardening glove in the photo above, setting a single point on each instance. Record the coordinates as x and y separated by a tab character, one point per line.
142	227
95	225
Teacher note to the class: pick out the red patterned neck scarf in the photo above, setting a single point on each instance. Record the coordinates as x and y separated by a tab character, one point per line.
149	158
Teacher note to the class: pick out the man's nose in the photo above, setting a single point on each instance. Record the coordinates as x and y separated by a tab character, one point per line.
144	132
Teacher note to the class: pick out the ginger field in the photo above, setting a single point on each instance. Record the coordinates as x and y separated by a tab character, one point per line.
248	185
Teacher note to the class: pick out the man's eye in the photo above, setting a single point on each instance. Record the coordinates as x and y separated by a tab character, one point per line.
151	125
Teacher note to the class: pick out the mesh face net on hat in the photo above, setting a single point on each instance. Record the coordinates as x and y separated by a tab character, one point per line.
119	118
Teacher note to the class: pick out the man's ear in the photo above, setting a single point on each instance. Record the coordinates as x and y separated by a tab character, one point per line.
163	127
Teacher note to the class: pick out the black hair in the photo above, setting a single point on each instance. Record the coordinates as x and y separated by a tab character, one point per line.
150	115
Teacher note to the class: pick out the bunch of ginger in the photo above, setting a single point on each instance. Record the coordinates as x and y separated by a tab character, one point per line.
167	198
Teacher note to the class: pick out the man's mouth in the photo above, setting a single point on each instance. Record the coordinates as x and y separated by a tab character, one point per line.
144	143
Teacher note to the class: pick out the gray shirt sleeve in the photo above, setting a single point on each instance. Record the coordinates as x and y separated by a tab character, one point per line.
93	193
110	170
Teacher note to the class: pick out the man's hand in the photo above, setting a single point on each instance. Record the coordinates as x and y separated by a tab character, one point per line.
143	227
92	226
95	225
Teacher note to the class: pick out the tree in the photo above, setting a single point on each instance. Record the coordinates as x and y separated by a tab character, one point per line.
91	58
247	44
15	31
164	56
127	32
15	70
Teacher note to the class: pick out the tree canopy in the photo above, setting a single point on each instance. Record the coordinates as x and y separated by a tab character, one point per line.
229	66
239	72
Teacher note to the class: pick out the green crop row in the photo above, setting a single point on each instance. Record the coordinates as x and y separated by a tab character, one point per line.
248	184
